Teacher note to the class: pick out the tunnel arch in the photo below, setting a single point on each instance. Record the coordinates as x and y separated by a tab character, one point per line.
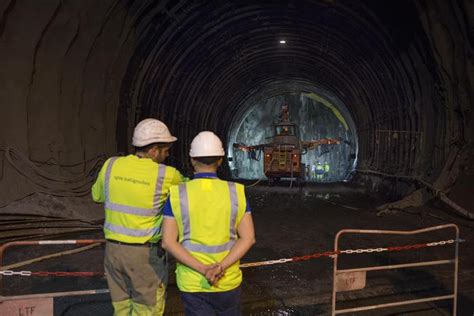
79	75
219	59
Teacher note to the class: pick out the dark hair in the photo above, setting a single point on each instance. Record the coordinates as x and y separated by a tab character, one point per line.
208	160
146	148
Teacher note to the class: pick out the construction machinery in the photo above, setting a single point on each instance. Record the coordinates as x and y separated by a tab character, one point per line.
282	155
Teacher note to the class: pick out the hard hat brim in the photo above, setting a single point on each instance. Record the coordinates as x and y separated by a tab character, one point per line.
138	143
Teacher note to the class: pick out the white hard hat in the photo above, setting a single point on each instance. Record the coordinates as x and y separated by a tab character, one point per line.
206	144
151	131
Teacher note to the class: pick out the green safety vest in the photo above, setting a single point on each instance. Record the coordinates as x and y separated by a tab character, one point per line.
134	191
208	212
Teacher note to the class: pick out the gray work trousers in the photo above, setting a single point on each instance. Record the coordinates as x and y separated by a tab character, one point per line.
137	277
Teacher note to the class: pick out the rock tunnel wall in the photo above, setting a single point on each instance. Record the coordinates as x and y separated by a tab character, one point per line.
313	120
77	75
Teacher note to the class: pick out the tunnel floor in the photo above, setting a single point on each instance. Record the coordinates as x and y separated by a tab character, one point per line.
297	222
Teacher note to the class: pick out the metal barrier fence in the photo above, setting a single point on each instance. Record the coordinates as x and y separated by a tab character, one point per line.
40	304
343	279
46	242
355	279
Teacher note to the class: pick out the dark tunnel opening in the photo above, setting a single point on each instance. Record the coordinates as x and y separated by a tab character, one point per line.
376	94
197	75
78	85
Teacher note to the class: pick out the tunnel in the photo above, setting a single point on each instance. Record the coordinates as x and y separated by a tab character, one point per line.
391	80
316	117
76	83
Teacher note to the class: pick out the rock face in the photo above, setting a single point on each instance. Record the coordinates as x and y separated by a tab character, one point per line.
314	120
76	76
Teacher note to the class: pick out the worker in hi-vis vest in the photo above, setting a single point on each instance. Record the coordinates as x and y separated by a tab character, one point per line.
134	189
208	227
326	168
319	172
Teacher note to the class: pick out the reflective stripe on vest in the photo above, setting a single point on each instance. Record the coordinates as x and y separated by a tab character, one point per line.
127	209
131	232
184	204
107	178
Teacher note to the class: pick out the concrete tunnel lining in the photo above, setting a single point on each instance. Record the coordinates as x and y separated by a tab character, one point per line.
220	100
78	81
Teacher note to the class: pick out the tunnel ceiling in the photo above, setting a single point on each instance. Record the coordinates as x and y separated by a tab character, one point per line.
77	75
197	61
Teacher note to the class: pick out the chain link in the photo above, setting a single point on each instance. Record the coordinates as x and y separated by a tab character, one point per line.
46	273
7	272
442	243
10	272
315	256
400	248
331	254
264	263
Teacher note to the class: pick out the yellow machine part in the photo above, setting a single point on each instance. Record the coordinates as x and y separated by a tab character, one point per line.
328	104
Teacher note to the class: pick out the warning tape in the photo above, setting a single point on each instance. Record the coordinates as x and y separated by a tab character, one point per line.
252	264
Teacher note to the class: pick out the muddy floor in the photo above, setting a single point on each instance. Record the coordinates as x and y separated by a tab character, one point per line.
297	222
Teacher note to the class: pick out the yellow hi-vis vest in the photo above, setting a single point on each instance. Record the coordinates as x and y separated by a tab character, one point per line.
326	167
208	212
134	191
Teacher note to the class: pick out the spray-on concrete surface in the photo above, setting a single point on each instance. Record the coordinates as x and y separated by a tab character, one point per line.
314	120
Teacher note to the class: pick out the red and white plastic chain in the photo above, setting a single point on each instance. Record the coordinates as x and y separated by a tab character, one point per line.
348	251
254	264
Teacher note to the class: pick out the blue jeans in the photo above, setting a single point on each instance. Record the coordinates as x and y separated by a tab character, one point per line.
214	303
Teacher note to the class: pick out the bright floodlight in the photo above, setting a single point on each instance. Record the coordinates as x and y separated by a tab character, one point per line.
282	42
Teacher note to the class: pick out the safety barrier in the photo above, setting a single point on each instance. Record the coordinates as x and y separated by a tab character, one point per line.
46	242
343	280
354	279
41	304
